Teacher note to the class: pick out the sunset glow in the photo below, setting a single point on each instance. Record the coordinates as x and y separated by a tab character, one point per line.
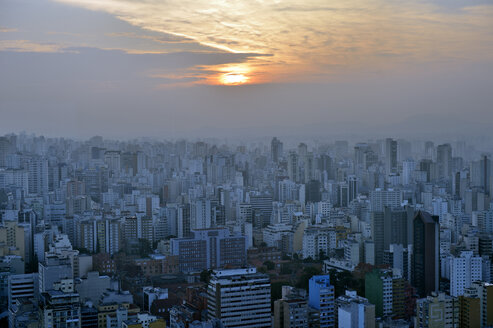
290	41
233	78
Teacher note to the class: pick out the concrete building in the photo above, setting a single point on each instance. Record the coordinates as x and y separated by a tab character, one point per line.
437	310
152	294
209	249
239	298
38	176
92	287
60	309
390	156
379	198
52	270
354	311
291	311
321	298
378	289
484	291
470	309
22	285
464	270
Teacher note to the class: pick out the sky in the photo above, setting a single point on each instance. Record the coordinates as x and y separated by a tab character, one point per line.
211	68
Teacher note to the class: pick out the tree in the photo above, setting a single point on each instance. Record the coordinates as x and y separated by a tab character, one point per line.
345	280
308	272
3	199
276	289
270	265
205	276
286	268
132	270
144	247
309	259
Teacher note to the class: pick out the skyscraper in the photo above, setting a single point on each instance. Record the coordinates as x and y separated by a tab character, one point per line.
352	182
425	260
485	174
437	310
38	176
262	205
325	164
239	298
464	270
321	298
309	166
312	191
470	309
390	156
293	170
276	149
485	293
378	291
398	224
444	158
209	249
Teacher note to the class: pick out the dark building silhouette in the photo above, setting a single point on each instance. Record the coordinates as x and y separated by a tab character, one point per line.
325	163
425	260
276	149
392	226
312	191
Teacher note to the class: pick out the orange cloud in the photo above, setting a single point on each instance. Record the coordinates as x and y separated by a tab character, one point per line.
313	40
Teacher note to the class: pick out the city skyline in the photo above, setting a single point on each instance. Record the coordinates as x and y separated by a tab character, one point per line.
246	164
152	234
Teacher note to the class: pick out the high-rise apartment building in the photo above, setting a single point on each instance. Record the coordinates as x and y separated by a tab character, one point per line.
52	270
470	309
485	293
354	311
437	310
392	226
276	148
240	298
464	270
291	311
390	156
209	249
444	159
293	169
113	160
109	235
425	259
380	198
378	290
38	176
321	298
60	308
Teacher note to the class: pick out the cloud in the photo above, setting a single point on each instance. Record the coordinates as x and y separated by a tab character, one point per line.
7	30
29	46
310	40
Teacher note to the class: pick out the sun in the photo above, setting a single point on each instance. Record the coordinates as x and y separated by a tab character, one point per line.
233	78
